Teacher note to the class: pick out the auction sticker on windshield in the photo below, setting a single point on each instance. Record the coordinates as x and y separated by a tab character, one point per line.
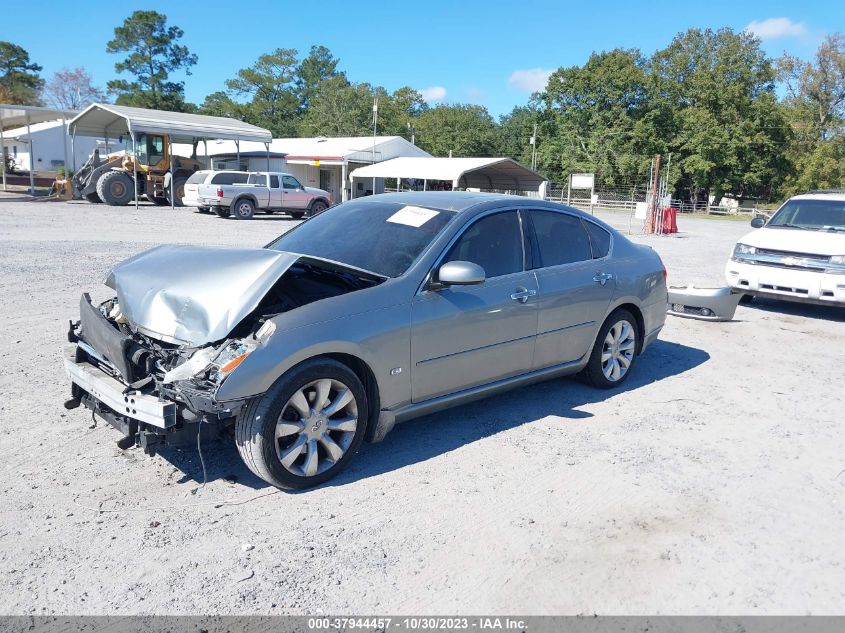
412	216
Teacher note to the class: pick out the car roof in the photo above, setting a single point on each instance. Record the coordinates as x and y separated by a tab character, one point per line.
448	200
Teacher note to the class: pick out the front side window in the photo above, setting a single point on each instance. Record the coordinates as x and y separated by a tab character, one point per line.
290	182
561	238
494	242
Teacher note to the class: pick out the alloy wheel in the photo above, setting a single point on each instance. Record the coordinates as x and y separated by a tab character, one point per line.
316	427
618	350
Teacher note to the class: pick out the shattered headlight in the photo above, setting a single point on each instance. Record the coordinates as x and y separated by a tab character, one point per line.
230	357
741	250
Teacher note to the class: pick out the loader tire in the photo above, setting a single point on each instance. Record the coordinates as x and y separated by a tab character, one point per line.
93	197
115	188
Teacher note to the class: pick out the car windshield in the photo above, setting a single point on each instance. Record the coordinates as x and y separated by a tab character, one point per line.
811	214
383	238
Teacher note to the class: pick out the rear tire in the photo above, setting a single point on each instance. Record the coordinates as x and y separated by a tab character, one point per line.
115	188
222	212
93	198
614	352
286	433
159	202
243	209
297	215
203	209
318	206
746	299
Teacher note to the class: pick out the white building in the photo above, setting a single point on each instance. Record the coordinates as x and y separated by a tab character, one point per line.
316	161
44	147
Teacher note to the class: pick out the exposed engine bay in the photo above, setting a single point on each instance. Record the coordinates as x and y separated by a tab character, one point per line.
149	368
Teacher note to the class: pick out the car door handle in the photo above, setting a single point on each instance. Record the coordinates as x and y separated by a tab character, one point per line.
522	294
602	278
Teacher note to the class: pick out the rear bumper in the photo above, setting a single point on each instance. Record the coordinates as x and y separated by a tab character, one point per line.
115	395
802	286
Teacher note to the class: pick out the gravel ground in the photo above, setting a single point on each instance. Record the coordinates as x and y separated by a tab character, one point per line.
712	483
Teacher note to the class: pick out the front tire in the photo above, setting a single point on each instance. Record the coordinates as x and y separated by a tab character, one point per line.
614	352
178	184
318	206
116	188
307	426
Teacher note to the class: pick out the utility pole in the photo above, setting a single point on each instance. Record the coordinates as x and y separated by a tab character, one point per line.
413	132
533	142
652	211
375	126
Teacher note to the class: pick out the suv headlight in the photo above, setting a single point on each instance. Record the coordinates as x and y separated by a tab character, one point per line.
741	250
838	259
837	263
230	357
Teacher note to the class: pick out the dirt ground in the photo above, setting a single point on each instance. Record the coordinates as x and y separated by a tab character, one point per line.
711	483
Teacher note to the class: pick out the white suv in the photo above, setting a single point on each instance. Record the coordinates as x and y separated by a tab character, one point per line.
208	177
798	255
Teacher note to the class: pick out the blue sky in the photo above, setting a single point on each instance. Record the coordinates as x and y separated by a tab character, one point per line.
492	53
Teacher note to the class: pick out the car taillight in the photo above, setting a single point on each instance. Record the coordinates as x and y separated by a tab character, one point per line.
665	272
219	192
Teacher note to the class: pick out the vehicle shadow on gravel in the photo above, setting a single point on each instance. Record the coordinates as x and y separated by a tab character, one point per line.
809	311
432	435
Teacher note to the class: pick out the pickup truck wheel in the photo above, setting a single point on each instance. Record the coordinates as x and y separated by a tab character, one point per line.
614	352
307	426
115	188
318	206
203	209
297	215
243	209
222	212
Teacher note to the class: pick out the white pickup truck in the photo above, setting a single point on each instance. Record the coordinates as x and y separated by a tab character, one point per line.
263	191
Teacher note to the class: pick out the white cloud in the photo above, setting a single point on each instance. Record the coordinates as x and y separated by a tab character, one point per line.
433	93
775	28
530	79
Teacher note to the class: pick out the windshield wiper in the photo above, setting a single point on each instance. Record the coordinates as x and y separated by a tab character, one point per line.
788	225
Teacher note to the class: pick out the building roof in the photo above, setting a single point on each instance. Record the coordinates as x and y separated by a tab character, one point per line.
340	149
102	119
20	132
17	115
482	173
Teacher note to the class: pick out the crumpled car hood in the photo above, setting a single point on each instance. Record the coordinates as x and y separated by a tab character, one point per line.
194	295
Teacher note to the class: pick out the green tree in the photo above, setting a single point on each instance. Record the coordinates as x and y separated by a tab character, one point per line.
725	129
463	129
340	109
221	104
20	83
316	68
270	86
815	108
594	118
152	54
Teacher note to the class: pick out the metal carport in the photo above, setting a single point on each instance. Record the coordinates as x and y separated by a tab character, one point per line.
20	115
496	174
107	120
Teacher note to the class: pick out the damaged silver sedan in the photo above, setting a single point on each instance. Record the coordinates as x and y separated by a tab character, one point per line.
373	312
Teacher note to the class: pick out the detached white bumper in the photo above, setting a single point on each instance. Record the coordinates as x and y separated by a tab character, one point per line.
793	285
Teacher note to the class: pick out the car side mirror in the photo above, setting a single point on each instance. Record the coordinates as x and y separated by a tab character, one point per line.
460	274
756	223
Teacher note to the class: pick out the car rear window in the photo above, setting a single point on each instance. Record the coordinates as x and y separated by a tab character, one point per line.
229	178
197	177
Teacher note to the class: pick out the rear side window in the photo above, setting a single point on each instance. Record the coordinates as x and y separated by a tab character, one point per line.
258	179
196	178
599	239
561	238
274	182
229	178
